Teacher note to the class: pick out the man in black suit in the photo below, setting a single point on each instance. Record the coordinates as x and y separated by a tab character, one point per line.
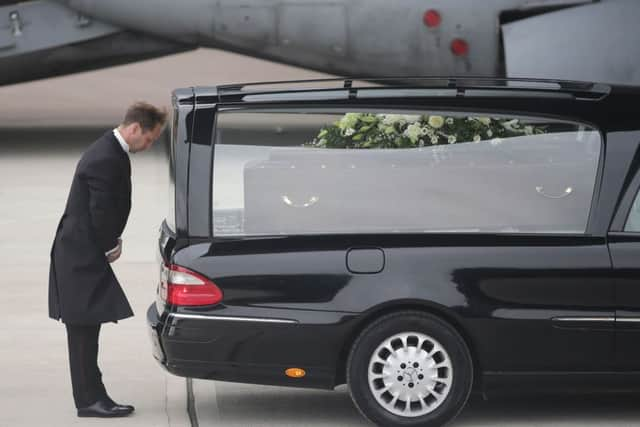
83	290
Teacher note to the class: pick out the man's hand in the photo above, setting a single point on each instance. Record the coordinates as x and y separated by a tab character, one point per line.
113	256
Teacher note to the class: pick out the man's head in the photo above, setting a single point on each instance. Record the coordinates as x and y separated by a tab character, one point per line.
142	126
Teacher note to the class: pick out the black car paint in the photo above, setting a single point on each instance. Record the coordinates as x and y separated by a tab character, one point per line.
503	293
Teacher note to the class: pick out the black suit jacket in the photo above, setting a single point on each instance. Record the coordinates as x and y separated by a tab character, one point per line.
82	286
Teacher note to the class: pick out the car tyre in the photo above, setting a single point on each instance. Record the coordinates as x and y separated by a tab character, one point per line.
413	357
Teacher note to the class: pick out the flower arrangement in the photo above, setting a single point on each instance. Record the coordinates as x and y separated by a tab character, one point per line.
366	130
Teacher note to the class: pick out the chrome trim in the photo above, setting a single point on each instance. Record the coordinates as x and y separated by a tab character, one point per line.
628	319
312	201
584	319
567	191
231	318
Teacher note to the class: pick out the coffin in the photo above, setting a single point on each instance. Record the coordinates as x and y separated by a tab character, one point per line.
528	184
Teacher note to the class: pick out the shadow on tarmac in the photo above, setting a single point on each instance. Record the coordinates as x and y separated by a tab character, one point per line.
283	406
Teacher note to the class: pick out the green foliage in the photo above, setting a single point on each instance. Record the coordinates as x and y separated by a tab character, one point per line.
366	130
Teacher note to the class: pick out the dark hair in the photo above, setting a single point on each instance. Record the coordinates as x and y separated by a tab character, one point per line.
147	115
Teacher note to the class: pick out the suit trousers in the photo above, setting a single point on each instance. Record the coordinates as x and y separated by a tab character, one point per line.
86	377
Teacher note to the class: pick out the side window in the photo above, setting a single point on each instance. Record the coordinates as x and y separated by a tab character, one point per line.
633	220
279	173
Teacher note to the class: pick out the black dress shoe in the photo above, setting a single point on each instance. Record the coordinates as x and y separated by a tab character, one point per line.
104	409
117	405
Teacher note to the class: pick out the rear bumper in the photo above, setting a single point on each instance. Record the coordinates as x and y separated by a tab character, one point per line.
256	350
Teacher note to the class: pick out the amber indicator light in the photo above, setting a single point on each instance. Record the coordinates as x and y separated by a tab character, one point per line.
295	372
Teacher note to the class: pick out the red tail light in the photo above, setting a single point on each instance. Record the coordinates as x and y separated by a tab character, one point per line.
181	286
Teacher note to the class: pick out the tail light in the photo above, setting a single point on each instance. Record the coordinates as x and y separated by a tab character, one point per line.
181	286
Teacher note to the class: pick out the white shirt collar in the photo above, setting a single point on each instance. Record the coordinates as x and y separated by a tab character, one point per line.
121	140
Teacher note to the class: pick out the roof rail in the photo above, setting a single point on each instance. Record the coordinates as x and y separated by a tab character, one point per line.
583	90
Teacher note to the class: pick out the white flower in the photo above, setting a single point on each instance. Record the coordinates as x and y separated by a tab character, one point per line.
391	119
489	133
451	139
449	120
411	118
485	120
511	125
436	121
508	126
528	130
349	120
434	140
413	132
349	131
476	138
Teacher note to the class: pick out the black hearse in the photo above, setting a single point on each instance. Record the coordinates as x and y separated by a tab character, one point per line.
413	240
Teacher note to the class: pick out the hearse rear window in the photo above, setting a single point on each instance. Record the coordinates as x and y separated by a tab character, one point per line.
282	173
